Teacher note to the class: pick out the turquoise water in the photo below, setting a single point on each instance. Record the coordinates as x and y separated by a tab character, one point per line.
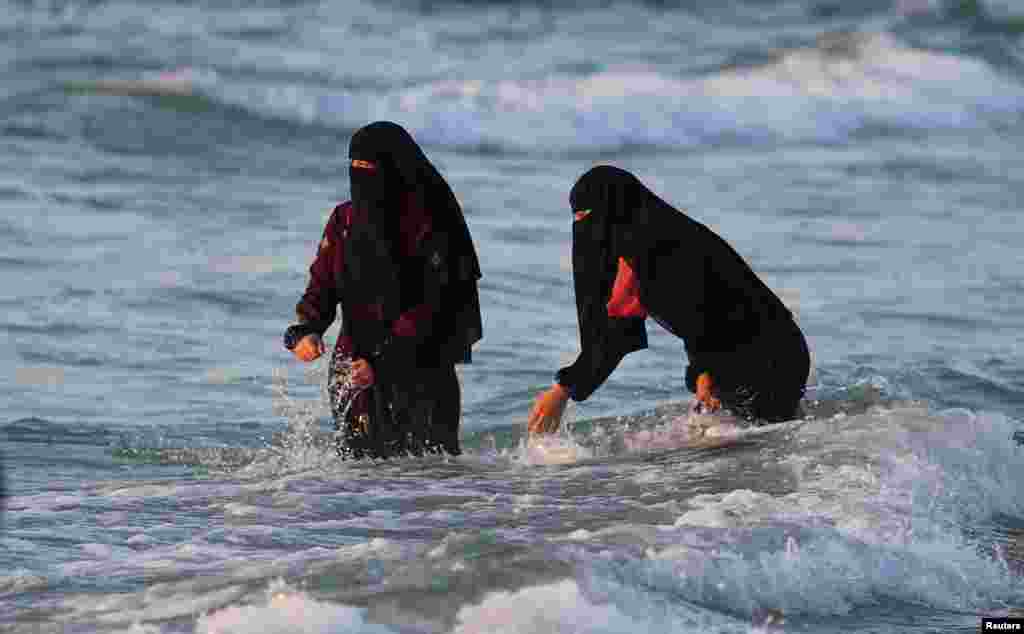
166	172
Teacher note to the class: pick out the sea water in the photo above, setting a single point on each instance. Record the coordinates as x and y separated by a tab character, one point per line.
167	169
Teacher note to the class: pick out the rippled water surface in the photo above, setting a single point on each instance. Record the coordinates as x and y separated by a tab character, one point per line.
165	173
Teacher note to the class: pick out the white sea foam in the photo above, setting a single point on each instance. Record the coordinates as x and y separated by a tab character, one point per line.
569	606
819	573
823	93
158	604
881	526
558	607
551	450
853	529
287	611
21	581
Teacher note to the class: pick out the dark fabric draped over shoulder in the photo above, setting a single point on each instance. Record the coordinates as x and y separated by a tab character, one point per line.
690	280
386	167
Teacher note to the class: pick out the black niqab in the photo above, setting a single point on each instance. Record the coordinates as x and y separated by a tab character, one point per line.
690	281
386	165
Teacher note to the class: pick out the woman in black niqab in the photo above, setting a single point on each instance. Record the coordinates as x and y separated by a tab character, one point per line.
636	256
400	260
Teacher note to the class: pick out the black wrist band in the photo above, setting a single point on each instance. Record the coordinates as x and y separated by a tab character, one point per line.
295	333
568	388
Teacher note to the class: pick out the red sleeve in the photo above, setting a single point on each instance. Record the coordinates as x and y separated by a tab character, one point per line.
319	304
625	299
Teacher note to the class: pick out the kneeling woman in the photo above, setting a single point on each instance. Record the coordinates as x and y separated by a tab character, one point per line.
400	260
635	256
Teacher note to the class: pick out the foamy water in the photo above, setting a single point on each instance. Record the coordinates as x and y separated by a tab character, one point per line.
167	171
811	520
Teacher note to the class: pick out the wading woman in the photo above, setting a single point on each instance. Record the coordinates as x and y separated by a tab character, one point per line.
400	261
635	256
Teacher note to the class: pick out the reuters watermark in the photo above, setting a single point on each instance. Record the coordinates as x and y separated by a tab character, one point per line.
1001	624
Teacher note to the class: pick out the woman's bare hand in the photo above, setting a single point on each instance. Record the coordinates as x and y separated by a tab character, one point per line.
309	348
546	415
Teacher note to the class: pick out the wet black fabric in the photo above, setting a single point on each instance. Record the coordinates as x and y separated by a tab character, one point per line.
764	380
371	274
415	415
374	276
690	281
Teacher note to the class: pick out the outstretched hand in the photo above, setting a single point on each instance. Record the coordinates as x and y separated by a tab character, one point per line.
706	393
309	348
546	415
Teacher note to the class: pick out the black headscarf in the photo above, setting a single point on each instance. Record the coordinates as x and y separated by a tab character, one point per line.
386	166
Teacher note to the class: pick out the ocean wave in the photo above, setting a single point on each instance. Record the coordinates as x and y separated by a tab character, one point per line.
849	84
846	86
40	430
981	464
870	516
888	509
825	576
